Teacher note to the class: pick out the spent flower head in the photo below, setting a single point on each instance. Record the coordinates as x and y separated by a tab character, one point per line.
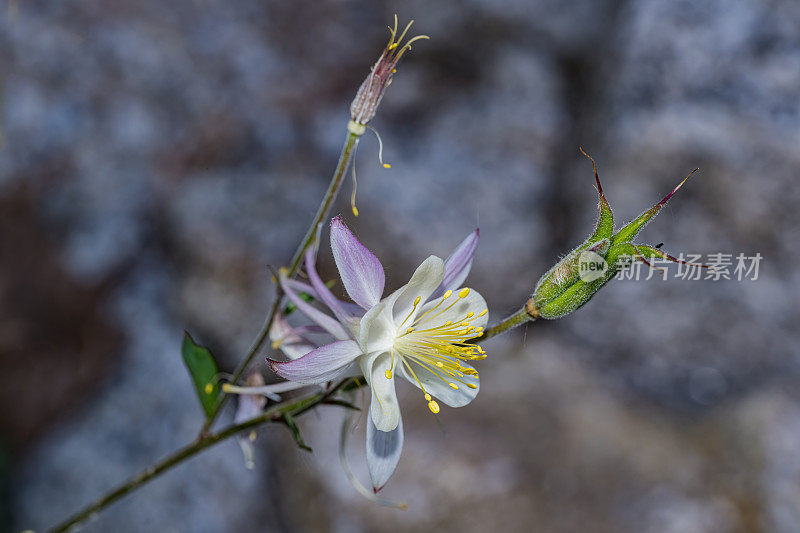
573	281
371	91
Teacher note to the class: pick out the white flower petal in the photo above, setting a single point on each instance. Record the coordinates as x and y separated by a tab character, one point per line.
384	408
426	278
383	452
440	389
377	330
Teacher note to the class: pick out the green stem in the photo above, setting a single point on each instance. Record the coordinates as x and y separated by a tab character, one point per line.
527	314
336	183
353	134
275	414
294	408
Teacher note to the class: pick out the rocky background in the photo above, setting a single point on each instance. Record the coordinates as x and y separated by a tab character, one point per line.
157	156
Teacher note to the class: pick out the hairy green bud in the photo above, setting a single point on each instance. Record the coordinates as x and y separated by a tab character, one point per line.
575	279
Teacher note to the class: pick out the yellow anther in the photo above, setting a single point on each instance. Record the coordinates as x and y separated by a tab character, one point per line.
447	294
433	406
387	165
226	387
394	71
427	397
283	271
439	364
453	386
472	386
355	210
449	322
463	293
478	329
209	388
400	39
483	312
388	374
276	345
417	300
470	314
409	330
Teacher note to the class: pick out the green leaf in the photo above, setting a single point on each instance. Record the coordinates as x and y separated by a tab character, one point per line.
203	369
292	425
342	403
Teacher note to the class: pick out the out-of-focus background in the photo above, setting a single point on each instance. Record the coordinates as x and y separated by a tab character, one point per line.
158	156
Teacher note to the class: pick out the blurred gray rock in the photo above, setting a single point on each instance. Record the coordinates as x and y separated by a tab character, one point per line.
174	151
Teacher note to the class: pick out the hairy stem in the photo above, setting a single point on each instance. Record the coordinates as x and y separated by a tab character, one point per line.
528	313
278	413
294	408
350	143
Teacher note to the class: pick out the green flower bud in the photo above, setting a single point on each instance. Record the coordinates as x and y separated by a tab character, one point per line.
575	279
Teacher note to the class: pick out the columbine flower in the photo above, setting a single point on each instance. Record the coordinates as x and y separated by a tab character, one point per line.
420	333
380	77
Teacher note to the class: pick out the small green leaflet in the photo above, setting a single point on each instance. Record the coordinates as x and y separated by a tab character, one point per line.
290	423
203	369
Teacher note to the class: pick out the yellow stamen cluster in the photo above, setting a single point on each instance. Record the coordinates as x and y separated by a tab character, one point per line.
440	349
